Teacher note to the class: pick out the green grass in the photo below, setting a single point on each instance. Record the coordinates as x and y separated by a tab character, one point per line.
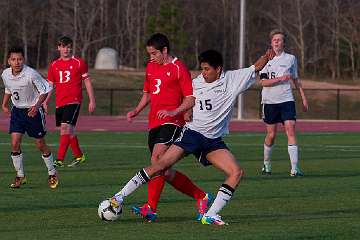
325	204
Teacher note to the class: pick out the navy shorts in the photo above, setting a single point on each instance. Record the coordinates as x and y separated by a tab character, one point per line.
199	145
164	134
279	113
67	114
20	122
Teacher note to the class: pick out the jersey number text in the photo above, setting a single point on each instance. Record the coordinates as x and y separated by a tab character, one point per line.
206	103
64	74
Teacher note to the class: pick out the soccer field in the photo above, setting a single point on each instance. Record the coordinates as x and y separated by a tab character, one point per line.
325	204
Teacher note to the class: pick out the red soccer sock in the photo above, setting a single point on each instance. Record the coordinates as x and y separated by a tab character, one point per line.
75	147
155	187
64	144
183	184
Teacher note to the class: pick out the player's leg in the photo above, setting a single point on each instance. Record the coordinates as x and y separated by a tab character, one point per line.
72	114
16	130
17	159
36	129
271	130
47	156
289	118
225	161
292	148
271	116
171	156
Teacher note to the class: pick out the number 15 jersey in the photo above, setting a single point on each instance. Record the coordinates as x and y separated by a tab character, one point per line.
67	77
167	85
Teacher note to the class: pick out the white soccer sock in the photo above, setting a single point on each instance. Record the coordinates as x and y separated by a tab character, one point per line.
294	156
48	160
223	196
267	154
138	180
17	159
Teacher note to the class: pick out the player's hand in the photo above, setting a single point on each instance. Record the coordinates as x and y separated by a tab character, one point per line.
5	110
130	115
33	111
91	107
270	54
188	116
162	114
45	106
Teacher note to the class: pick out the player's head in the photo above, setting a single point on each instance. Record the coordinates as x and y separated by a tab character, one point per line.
16	59
64	46
158	47
211	64
277	39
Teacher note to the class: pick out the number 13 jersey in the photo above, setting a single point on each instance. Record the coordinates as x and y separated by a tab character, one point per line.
167	85
67	77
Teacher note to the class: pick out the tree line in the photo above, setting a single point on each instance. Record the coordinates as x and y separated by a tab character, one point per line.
323	34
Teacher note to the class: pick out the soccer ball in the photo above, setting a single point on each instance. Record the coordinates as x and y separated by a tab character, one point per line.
107	212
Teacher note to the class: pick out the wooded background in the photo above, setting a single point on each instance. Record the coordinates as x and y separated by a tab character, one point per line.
323	34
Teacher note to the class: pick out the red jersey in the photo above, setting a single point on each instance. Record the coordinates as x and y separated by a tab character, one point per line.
167	84
67	77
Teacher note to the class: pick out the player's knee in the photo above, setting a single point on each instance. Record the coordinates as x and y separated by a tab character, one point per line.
237	174
169	175
271	136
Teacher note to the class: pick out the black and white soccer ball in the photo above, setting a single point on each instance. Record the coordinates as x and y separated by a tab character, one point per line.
107	212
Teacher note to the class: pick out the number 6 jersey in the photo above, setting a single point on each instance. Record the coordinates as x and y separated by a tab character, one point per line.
67	77
214	101
26	87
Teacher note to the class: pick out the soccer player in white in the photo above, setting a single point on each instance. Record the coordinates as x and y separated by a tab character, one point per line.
27	91
216	93
278	101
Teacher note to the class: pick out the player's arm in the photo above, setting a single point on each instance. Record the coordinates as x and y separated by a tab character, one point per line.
5	103
266	82
47	100
90	92
144	101
187	103
298	86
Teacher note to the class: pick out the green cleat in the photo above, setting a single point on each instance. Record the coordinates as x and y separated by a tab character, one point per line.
77	161
58	163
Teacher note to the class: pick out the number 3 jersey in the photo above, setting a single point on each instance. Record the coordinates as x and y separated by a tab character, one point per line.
279	66
167	85
214	101
26	87
67	77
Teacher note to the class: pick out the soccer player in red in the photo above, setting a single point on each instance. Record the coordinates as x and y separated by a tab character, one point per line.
67	74
168	90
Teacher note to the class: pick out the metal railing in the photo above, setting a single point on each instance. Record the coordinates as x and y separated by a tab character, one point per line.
340	104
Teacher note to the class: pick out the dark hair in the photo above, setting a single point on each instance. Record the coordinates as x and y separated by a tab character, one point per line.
212	57
277	31
159	41
64	41
15	49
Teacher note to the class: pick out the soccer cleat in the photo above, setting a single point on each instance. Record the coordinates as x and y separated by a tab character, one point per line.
18	182
53	181
146	212
215	220
203	205
266	170
58	163
296	173
77	161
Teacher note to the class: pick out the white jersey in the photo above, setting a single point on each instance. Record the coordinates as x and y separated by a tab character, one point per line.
285	64
26	87
214	101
